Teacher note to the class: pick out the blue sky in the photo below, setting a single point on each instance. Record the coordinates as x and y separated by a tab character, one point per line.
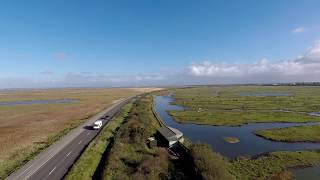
134	43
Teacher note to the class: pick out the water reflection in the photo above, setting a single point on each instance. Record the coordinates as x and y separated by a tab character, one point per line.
314	114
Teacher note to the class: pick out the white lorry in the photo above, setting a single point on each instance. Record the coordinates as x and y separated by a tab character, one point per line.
97	124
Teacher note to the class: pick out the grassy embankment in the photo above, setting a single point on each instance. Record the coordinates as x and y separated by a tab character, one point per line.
208	164
130	157
25	130
274	165
88	162
226	106
292	134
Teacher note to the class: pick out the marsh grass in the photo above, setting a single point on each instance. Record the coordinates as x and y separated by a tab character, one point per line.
231	140
292	134
273	164
208	164
224	105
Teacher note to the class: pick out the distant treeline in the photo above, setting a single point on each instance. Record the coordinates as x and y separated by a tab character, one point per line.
294	84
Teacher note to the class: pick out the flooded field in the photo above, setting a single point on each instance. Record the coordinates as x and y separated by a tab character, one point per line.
249	143
314	114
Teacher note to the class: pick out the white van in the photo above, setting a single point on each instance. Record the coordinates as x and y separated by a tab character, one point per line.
97	125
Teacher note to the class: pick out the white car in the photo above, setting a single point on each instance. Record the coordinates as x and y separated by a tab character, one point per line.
97	125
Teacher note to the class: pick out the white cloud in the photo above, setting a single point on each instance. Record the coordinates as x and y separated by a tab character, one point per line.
303	68
149	77
312	55
299	30
82	79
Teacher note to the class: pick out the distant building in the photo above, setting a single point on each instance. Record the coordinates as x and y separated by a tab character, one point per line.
168	136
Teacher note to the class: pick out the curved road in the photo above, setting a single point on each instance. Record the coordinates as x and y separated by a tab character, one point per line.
54	162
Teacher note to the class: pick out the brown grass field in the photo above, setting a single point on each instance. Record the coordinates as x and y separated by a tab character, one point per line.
26	128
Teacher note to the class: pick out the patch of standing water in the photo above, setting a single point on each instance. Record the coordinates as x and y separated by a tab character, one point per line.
314	114
264	94
310	173
30	102
249	144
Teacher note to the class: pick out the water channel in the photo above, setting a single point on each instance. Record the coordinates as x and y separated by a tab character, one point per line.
249	145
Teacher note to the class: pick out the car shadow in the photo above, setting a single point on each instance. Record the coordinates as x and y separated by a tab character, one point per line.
88	127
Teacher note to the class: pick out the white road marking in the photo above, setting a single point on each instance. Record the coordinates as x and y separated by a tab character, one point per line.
28	175
52	170
80	142
88	133
25	170
68	153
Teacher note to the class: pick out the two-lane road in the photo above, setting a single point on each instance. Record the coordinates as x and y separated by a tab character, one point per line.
54	162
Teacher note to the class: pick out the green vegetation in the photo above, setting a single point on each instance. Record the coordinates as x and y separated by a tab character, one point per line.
130	157
224	105
231	140
209	165
236	118
272	165
88	162
292	134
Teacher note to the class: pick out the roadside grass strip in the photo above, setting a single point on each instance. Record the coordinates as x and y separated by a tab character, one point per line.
88	162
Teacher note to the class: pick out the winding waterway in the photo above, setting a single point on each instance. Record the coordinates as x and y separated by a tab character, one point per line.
249	144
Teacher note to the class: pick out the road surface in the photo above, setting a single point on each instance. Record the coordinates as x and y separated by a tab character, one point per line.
54	162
